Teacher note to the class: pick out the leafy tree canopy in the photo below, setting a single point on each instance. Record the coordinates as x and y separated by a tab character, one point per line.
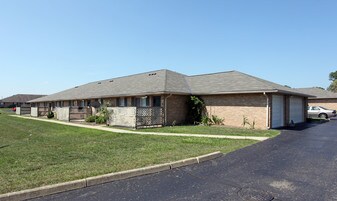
333	76
333	86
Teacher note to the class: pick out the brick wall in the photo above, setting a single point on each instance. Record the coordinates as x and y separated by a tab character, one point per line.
176	109
327	103
232	108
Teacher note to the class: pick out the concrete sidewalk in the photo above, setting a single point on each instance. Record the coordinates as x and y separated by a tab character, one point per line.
115	130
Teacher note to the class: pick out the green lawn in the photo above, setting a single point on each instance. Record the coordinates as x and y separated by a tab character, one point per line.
213	130
35	153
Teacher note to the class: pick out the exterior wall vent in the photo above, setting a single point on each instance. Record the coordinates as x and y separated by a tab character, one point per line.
99	83
111	81
151	74
76	87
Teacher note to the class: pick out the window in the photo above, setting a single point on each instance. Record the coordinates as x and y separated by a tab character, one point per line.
82	103
156	101
133	102
122	102
315	108
142	102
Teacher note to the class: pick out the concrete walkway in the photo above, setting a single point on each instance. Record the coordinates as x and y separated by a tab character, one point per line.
115	130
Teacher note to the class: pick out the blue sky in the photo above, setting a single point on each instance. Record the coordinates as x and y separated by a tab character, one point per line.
49	46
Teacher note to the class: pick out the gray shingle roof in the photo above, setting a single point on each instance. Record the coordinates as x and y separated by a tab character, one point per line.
21	98
166	81
318	93
234	82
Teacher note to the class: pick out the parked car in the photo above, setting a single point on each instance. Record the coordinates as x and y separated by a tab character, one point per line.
320	112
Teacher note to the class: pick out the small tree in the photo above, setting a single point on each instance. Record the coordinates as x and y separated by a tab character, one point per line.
196	108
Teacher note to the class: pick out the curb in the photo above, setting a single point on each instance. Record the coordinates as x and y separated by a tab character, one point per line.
91	181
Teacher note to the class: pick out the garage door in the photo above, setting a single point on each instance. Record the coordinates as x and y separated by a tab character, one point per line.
296	110
277	111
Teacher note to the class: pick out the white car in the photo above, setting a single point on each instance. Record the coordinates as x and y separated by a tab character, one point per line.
320	112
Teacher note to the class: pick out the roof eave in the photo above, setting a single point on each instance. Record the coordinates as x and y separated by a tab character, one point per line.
235	92
295	93
113	96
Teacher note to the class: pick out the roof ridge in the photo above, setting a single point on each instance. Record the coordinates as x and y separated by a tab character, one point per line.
165	81
221	72
187	84
179	74
262	80
124	76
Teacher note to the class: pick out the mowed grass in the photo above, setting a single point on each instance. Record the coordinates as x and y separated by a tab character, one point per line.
214	130
35	153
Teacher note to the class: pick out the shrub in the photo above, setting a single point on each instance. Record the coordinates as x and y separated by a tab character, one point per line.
206	121
50	115
245	122
214	120
217	120
90	118
103	115
100	120
11	106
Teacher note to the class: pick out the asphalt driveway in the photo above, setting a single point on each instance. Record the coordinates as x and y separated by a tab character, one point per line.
299	164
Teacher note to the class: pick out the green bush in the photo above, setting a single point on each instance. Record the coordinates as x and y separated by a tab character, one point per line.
50	115
217	120
100	120
103	115
90	118
11	106
206	121
214	120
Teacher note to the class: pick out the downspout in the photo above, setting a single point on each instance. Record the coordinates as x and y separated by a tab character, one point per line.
166	108
267	110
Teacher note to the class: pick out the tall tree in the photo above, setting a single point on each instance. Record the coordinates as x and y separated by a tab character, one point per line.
333	78
333	86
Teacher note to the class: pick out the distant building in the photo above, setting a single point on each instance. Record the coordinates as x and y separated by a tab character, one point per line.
18	100
321	97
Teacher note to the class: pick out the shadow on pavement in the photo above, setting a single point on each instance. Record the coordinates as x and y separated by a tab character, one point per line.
309	124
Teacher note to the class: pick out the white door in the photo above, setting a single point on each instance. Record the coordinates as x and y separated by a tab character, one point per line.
277	111
296	110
